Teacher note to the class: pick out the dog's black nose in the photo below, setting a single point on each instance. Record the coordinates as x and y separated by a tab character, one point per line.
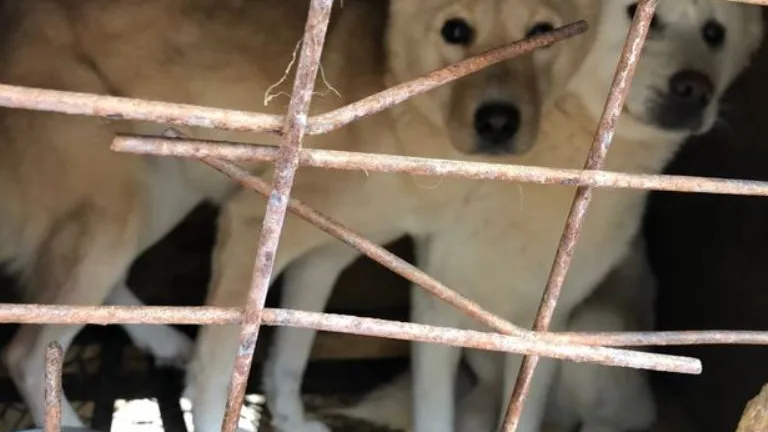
496	125
691	88
684	104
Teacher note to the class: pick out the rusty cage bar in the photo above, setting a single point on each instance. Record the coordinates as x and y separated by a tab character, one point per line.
593	347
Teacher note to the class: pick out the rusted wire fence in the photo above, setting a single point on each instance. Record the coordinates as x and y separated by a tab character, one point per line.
289	156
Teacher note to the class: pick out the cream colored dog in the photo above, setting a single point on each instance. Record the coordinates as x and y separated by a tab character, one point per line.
492	113
498	248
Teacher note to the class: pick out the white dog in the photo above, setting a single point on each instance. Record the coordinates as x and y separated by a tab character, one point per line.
497	248
604	399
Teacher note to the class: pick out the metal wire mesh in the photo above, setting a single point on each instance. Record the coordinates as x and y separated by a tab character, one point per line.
289	156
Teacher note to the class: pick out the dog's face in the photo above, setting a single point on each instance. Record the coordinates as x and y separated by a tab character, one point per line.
496	110
694	51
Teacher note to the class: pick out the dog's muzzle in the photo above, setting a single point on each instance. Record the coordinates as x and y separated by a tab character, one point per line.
683	105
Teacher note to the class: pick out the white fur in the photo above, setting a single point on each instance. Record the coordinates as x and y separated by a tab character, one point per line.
498	247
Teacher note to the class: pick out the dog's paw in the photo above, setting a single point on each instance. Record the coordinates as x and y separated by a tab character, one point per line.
306	426
168	346
594	427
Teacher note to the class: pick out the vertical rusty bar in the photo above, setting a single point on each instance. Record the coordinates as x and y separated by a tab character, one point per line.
606	128
54	364
285	170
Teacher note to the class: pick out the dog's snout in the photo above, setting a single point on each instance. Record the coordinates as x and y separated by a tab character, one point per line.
684	104
691	87
496	124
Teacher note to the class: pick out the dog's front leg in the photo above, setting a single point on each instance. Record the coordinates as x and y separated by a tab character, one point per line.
604	398
166	344
239	227
434	366
307	285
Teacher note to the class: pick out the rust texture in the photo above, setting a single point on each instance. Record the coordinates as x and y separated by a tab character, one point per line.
374	251
606	128
120	108
344	160
54	363
277	203
481	340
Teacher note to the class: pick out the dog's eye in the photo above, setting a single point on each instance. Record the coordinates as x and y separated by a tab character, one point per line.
539	28
456	31
632	10
713	33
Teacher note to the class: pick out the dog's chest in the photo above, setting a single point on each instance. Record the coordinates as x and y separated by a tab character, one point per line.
500	248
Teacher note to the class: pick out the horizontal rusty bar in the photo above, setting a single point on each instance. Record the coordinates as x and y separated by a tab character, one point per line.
206	315
122	108
754	2
371	162
665	338
543	344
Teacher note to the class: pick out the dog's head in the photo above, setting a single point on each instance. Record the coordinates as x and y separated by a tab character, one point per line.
496	110
694	51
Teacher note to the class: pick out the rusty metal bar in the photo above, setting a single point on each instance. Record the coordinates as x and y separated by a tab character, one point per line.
481	340
121	108
544	344
206	315
754	2
369	162
54	364
378	102
107	315
595	160
374	251
285	169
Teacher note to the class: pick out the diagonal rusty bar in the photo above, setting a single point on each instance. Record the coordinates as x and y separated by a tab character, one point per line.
344	160
373	251
620	86
272	225
54	364
335	119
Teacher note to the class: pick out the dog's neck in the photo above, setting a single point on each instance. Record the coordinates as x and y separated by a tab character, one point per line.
569	122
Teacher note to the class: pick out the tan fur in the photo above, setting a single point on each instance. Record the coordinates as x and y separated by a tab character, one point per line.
74	215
